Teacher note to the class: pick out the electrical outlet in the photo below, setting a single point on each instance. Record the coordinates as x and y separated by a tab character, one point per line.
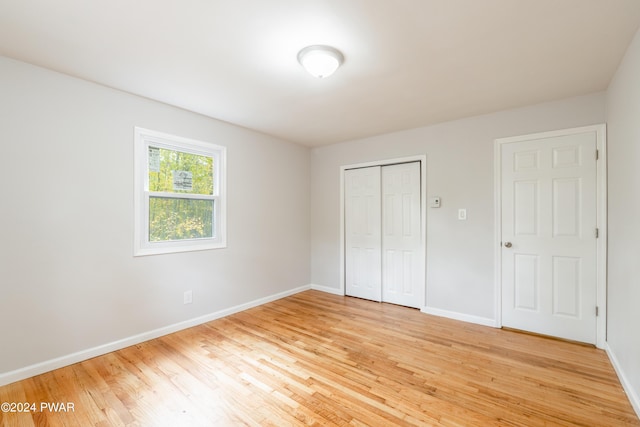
188	297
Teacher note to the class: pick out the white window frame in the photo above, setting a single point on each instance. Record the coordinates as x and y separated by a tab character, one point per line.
142	140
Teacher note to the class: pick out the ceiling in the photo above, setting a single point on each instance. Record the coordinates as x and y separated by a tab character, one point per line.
408	63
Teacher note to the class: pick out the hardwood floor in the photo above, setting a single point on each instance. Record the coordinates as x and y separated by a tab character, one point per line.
323	360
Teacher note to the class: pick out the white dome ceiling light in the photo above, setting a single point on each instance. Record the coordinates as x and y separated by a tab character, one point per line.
319	60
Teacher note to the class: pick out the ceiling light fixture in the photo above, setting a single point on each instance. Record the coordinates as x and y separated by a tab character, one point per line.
319	60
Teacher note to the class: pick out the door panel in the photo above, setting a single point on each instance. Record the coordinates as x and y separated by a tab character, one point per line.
549	218
403	271
525	215
526	282
566	207
363	264
566	286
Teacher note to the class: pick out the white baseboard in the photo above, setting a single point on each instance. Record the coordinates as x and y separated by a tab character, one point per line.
327	289
460	316
428	310
59	362
626	385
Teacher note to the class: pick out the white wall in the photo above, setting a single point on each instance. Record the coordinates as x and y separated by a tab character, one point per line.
623	117
68	279
460	261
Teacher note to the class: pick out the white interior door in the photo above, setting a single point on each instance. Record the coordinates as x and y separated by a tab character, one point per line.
549	236
384	256
363	241
402	266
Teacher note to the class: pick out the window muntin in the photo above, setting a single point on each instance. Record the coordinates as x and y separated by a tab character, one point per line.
180	194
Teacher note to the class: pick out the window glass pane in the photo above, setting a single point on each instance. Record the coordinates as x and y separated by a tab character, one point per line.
179	219
173	171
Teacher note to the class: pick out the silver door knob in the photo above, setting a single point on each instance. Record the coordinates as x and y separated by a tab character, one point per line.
507	244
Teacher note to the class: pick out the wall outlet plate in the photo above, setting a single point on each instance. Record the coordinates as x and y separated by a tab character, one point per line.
188	297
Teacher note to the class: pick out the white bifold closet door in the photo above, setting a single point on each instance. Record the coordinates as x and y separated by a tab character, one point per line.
384	257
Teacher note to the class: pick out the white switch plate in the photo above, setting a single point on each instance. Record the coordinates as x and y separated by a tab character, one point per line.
188	297
434	202
462	214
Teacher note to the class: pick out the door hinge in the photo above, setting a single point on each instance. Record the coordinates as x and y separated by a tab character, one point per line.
597	233
597	154
597	311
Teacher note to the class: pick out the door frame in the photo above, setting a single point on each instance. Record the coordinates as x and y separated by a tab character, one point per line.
422	159
601	220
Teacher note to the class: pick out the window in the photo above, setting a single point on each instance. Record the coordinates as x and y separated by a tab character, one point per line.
180	194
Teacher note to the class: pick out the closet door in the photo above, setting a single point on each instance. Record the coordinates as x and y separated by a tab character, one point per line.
384	251
363	242
402	254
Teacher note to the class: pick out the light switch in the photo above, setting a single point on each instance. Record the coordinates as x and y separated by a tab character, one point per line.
462	214
434	202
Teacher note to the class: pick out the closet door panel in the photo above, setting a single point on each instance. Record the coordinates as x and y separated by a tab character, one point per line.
402	260
363	250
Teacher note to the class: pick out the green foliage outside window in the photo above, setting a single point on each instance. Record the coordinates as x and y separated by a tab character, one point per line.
178	172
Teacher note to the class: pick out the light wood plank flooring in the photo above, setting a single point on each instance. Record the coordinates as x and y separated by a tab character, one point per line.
323	360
